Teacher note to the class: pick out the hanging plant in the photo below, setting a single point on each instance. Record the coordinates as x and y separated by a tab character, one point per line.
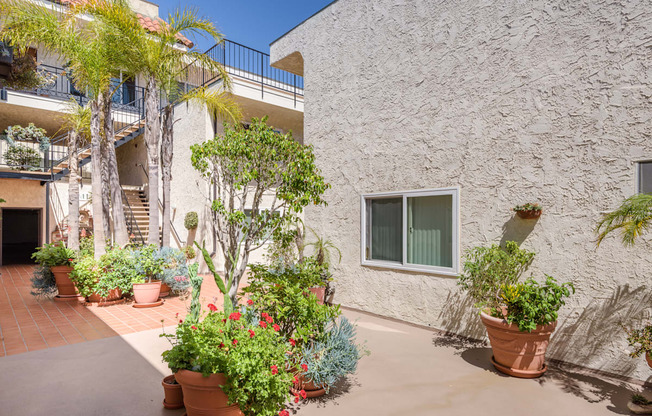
31	133
25	75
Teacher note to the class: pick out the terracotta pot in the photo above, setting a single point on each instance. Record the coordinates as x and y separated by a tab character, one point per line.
113	295
648	358
529	214
65	286
173	393
165	290
517	353
203	396
320	292
147	292
304	384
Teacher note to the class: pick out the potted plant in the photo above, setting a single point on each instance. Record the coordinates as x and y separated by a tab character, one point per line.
229	363
191	221
149	265
174	271
519	317
321	363
59	259
173	393
528	211
641	341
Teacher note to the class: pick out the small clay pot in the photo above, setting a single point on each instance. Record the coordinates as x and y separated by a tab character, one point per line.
531	214
113	296
65	286
648	358
173	393
165	290
147	292
308	386
203	396
320	292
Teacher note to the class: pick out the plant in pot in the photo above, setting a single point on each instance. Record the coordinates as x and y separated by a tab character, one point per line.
226	364
149	265
528	211
323	250
322	362
173	393
641	341
190	222
519	317
118	272
59	259
174	273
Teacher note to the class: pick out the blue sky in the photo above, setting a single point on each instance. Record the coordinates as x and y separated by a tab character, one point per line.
254	23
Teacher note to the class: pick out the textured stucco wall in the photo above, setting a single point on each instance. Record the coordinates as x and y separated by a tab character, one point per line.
512	101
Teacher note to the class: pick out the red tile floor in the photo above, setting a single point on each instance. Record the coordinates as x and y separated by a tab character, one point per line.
28	323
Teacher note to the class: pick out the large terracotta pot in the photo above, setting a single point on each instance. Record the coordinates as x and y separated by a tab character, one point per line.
115	294
147	292
173	393
203	396
65	286
320	292
310	388
517	353
648	358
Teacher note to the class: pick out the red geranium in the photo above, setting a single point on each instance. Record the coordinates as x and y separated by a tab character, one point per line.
304	367
212	307
193	327
274	370
235	342
293	342
283	413
251	333
263	324
250	302
276	327
296	399
235	316
269	319
303	394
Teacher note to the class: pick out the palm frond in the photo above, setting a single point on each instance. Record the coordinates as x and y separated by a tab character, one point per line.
77	118
217	101
632	218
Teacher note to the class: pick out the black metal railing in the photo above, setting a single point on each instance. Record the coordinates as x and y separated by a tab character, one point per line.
30	156
248	63
132	225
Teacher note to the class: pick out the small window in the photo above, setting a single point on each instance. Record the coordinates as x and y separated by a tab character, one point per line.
413	230
645	177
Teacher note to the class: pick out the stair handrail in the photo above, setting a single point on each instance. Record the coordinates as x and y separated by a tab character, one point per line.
57	209
175	234
131	220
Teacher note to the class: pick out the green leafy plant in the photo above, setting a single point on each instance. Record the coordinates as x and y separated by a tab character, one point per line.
117	271
488	269
250	355
326	361
530	304
21	157
149	264
86	274
189	252
640	400
174	272
54	254
43	282
528	207
640	340
191	221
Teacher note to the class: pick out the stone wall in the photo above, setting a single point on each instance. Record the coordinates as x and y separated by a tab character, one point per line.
512	102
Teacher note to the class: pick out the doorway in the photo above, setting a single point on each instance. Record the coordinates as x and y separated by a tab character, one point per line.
20	235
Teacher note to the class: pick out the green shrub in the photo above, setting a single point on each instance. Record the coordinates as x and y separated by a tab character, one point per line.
54	254
251	357
118	270
640	339
149	264
174	272
86	274
191	221
21	157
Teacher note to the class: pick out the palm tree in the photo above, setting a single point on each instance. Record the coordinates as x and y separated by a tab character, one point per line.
77	121
323	249
95	52
632	218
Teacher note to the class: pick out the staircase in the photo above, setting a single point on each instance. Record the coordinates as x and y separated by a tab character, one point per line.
136	212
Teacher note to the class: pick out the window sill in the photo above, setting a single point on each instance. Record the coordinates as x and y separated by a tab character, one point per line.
441	271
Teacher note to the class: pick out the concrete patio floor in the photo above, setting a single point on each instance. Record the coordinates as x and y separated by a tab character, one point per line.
411	370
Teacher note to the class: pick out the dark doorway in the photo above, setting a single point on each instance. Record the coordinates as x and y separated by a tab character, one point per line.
20	235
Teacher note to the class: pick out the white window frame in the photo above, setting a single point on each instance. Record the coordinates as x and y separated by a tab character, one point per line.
404	265
637	163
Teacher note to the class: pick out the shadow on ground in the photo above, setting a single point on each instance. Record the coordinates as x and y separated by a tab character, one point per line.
340	389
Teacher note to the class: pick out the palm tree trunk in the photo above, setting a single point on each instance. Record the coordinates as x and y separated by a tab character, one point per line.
119	221
151	140
106	191
167	139
99	237
73	192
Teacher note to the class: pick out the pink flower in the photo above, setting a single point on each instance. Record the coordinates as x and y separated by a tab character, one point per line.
274	370
235	316
212	307
263	324
251	333
293	342
193	327
250	302
304	367
276	327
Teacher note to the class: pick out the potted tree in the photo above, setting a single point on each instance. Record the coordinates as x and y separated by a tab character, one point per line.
59	259
519	317
191	221
146	288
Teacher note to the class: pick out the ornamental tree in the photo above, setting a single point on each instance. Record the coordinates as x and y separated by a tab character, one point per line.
248	165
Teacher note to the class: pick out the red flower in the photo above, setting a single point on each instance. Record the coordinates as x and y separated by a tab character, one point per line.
263	324
235	342
235	316
250	302
177	315
296	399
295	380
180	321
283	413
264	315
193	327
251	333
212	307
269	319
274	370
221	345
293	342
303	394
276	327
304	367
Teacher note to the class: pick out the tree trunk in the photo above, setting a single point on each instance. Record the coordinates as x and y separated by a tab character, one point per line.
106	190
73	191
119	222
151	140
99	237
167	139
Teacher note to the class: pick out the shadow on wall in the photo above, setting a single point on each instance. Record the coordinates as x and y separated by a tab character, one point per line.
588	339
517	229
459	316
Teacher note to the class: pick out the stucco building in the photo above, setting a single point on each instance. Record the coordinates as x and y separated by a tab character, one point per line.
432	120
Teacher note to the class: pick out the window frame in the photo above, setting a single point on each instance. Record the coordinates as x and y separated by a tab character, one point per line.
454	192
639	172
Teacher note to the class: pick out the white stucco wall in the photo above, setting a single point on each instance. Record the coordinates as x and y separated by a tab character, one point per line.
512	102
